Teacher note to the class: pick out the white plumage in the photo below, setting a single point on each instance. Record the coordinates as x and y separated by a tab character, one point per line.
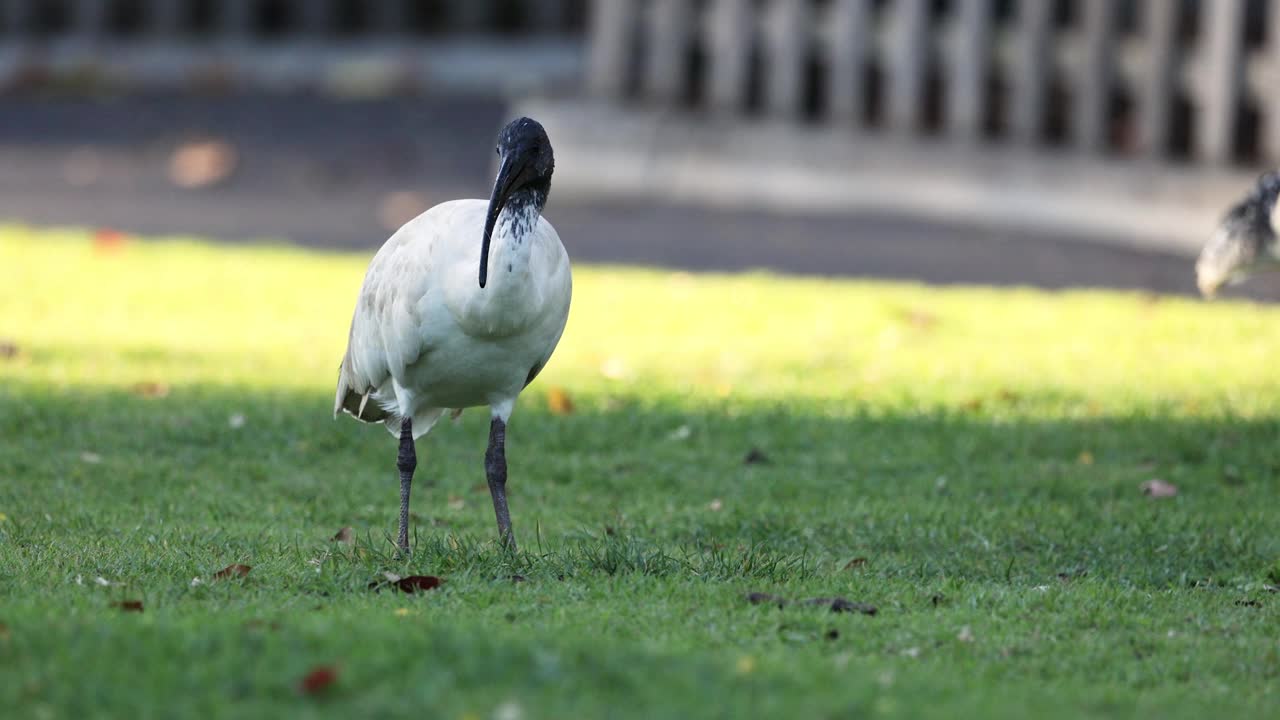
427	338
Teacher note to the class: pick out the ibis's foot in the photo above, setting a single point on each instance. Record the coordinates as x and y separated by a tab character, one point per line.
407	462
495	469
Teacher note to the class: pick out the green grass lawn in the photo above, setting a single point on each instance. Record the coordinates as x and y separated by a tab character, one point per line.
967	460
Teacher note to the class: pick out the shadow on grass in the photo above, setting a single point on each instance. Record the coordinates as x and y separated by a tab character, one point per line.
657	487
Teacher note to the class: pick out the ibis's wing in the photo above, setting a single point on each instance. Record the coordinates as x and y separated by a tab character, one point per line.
386	332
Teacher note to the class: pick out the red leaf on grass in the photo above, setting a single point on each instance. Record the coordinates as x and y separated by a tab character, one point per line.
107	240
232	571
319	678
418	583
129	605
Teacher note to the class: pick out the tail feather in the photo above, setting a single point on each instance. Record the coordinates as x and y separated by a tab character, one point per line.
359	405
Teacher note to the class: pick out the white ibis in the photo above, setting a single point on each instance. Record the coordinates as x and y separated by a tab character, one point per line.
427	338
1245	241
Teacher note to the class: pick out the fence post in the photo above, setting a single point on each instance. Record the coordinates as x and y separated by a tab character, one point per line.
1271	100
545	15
730	34
469	15
88	19
1031	72
966	69
1159	67
313	17
234	19
166	18
907	54
667	30
388	16
1092	87
1219	79
609	61
17	17
788	33
846	50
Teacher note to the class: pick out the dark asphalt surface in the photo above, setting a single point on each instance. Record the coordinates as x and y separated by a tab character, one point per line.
317	171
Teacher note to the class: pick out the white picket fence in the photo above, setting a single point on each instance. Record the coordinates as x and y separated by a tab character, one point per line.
1195	81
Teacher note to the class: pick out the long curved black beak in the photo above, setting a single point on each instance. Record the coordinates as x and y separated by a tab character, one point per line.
502	188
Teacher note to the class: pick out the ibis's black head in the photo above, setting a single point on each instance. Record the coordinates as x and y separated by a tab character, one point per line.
524	177
1245	241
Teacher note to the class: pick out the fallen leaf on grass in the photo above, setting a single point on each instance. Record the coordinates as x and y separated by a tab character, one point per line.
128	605
8	349
558	401
1158	488
1085	458
855	563
318	679
715	505
756	456
840	605
150	389
965	634
759	598
418	583
106	240
410	584
918	318
202	163
346	536
837	605
232	571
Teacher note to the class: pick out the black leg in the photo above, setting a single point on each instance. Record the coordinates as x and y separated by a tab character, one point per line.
495	469
407	462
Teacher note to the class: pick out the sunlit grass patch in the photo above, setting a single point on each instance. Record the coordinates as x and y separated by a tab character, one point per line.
966	460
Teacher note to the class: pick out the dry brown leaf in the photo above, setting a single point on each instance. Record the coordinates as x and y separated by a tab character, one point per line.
399	207
855	563
107	240
1158	488
128	605
202	163
232	571
150	389
8	349
346	536
558	401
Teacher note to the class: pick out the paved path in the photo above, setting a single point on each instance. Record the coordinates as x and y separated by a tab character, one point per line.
318	173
